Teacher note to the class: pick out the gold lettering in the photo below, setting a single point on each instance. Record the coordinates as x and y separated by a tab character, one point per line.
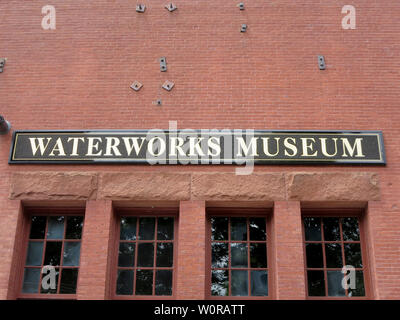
291	146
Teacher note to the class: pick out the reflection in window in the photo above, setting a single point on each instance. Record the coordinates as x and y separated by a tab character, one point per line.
55	242
330	244
145	262
239	256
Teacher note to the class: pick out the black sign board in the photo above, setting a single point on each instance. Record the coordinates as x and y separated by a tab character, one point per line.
198	147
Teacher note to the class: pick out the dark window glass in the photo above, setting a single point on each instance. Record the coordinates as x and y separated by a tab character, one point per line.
314	255
149	255
146	228
163	282
74	227
333	253
238	229
31	280
125	282
352	254
164	254
240	283
35	253
72	252
359	290
60	247
128	228
220	255
316	283
69	278
38	227
55	228
335	287
331	229
219	228
259	283
258	229
325	258
239	256
312	228
53	253
165	228
126	255
258	255
145	255
351	231
144	282
219	283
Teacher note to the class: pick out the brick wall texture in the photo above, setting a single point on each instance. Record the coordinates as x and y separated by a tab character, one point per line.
78	77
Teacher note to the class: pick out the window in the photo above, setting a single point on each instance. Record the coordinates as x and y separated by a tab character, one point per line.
239	251
331	243
52	256
145	263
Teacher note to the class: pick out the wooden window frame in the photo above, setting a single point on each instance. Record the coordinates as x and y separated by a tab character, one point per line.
143	213
28	213
339	213
240	212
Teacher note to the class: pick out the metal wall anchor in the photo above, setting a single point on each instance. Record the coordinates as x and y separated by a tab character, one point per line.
163	64
136	86
171	7
140	8
168	85
321	63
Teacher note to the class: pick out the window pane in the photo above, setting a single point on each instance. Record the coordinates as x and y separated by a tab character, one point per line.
258	229
238	229
333	253
146	228
128	228
74	227
165	251
144	282
359	290
239	255
314	255
239	283
219	283
55	229
72	252
219	228
125	282
164	282
258	255
312	228
69	279
145	255
126	255
259	283
331	229
351	231
335	287
316	284
219	254
38	227
352	254
53	253
31	280
35	253
49	282
165	228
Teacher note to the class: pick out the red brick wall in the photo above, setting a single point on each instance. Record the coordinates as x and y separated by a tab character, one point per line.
78	77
